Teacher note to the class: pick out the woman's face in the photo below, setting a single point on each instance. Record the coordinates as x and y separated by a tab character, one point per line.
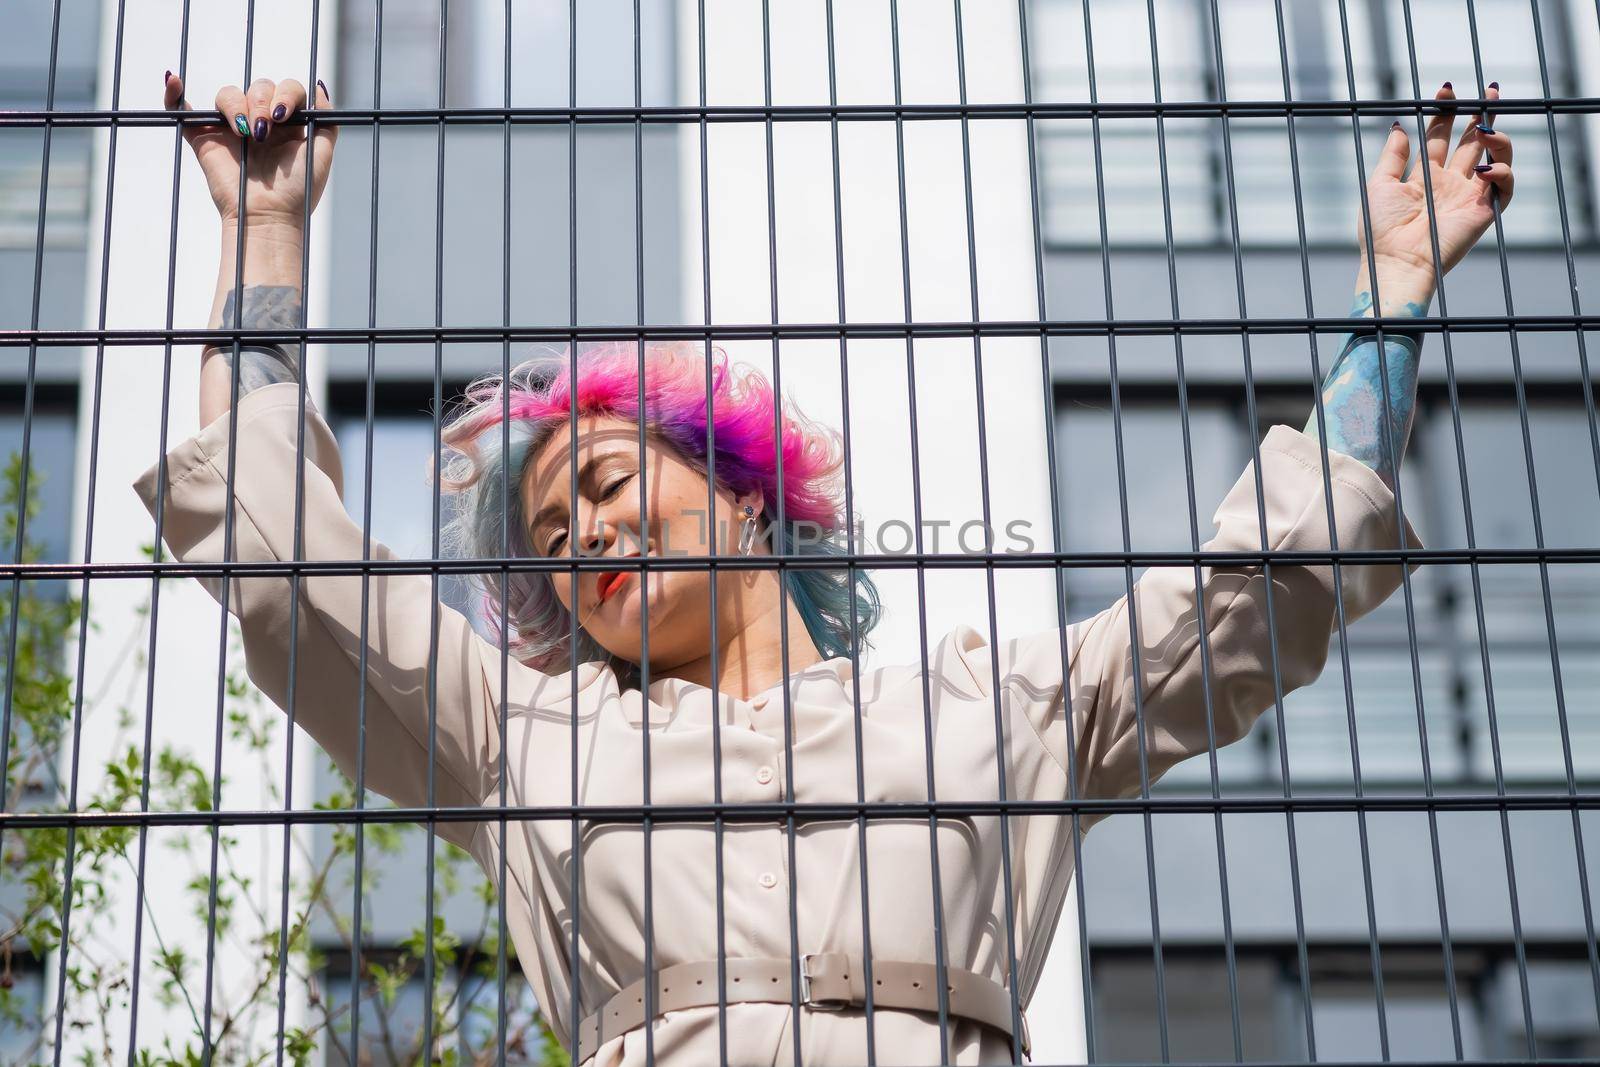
610	523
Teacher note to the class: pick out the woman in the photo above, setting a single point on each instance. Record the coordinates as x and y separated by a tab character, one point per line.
648	493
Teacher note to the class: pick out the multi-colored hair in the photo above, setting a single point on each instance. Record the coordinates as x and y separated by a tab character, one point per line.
743	418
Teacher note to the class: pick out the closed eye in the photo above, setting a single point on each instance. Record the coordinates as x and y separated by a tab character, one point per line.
607	493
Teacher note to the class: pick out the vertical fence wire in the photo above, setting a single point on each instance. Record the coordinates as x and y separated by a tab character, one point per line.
146	742
1388	445
1482	632
1002	750
88	537
651	994
780	541
20	541
430	893
1135	646
1584	898
1229	950
1230	199
1047	390
503	932
574	887
941	950
230	518
852	572
1518	944
368	424
718	829
1446	946
299	550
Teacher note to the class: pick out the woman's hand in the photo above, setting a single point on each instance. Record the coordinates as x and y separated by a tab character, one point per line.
1463	185
275	191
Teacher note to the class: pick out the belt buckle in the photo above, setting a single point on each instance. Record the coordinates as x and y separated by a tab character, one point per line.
833	1004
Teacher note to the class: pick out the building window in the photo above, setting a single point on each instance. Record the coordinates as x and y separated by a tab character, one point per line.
1253	43
25	67
52	453
402	497
1450	648
466	1007
1344	1013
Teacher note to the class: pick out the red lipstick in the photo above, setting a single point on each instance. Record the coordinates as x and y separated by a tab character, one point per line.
610	581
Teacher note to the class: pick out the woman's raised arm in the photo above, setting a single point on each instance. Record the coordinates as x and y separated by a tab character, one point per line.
430	730
268	294
1195	655
1403	229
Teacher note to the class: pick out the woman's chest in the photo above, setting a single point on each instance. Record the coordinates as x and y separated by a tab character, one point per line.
817	759
899	743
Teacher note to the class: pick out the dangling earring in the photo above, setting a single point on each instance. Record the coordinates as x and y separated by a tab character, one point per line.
747	536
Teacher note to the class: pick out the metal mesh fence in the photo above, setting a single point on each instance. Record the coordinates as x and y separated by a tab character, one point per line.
196	889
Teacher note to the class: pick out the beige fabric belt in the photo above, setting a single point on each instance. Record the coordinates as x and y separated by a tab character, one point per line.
829	981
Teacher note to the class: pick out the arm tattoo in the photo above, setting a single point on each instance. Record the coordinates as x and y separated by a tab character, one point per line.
265	307
1352	400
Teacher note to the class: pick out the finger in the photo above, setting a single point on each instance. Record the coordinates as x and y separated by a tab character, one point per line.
1396	153
1439	127
1478	139
233	107
172	99
260	98
1497	176
327	132
172	94
289	98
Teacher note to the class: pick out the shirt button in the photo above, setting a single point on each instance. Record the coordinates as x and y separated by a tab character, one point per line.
764	775
767	879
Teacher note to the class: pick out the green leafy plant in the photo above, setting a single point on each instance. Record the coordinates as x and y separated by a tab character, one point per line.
40	923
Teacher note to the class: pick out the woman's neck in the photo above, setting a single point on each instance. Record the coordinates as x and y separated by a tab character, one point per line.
751	661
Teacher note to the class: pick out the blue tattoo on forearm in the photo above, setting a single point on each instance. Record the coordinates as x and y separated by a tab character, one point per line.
1352	400
265	307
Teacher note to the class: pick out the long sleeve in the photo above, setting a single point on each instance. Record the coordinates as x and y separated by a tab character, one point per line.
327	650
1104	714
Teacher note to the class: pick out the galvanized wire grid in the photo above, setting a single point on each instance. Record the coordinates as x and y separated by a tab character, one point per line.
1415	108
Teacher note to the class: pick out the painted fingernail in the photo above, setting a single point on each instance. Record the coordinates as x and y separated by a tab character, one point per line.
324	87
1494	85
167	78
1481	128
1395	125
278	113
1447	85
241	124
261	129
1484	168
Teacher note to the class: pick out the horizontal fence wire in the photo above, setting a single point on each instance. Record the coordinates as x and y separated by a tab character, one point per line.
1220	325
752	811
843	112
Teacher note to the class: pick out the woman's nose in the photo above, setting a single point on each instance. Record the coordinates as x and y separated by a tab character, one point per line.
593	542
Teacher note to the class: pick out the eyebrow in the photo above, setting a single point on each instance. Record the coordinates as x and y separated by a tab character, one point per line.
550	512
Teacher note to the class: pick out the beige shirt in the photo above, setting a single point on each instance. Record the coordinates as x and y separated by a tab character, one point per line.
900	706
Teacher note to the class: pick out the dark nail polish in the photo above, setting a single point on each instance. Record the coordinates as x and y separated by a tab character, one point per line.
1484	168
261	129
241	124
167	78
324	87
1481	128
1494	85
278	113
1447	85
1395	125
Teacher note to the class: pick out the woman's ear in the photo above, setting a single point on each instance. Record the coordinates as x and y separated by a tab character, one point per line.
754	499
